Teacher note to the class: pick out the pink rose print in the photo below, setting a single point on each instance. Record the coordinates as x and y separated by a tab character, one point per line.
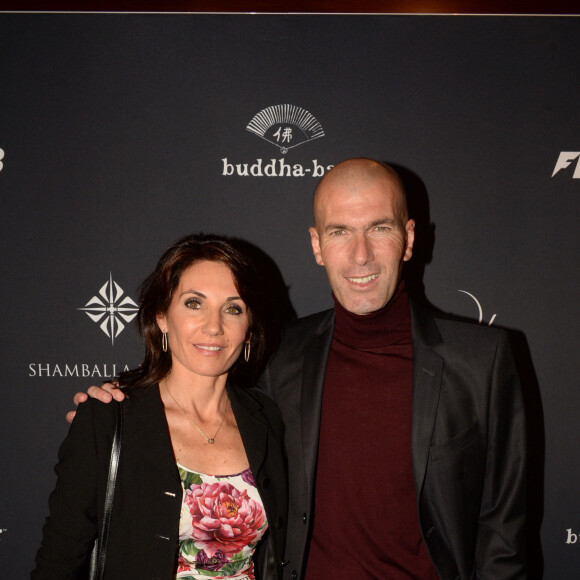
223	518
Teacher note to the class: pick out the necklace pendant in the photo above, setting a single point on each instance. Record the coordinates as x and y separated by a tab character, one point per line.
211	441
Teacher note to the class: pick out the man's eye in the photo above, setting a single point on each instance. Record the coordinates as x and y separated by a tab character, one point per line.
337	233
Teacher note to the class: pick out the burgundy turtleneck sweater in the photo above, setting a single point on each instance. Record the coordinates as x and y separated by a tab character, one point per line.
365	516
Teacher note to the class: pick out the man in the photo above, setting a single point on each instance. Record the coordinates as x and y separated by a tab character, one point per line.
404	429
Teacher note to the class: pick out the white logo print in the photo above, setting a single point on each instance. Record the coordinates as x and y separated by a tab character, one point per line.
479	308
1	157
565	159
110	310
286	126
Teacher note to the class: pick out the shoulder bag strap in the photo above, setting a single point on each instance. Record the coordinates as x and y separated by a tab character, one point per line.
100	550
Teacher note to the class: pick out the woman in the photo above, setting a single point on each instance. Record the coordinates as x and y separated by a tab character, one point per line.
202	474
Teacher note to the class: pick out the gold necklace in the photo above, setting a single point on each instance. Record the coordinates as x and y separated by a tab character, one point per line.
210	440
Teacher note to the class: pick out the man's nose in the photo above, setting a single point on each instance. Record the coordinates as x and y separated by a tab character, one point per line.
362	250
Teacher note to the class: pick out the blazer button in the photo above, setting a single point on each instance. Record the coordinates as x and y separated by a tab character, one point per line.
265	483
304	518
294	574
279	522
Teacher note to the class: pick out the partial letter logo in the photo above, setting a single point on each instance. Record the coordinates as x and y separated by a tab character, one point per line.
286	127
567	158
110	309
479	308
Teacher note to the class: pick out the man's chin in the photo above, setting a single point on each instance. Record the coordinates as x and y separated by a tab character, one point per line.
361	306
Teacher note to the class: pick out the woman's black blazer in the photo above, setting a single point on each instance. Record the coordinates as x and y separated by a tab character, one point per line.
143	536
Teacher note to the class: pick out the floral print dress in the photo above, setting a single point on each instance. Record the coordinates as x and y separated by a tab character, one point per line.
222	520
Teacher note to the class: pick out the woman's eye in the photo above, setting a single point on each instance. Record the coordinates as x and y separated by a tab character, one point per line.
233	309
193	304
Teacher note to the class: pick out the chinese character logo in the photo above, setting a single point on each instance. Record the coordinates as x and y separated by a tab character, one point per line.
285	126
110	309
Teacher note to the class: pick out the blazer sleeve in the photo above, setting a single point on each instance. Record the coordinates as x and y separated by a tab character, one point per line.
500	547
71	527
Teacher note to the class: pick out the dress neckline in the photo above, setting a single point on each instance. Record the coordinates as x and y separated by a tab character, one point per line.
211	474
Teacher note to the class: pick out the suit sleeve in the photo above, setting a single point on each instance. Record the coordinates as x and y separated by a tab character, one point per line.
71	527
500	549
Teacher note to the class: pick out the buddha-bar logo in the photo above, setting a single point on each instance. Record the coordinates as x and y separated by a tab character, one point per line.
285	127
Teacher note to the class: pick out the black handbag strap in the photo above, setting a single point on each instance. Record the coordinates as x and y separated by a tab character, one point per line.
109	493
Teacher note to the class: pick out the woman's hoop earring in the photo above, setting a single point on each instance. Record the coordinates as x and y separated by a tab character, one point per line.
164	342
247	351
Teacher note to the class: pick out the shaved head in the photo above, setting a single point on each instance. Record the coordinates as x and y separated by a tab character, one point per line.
356	174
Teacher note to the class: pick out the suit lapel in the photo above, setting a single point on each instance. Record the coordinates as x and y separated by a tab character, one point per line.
427	374
315	359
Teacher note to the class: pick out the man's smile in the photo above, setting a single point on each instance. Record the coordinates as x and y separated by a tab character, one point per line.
363	280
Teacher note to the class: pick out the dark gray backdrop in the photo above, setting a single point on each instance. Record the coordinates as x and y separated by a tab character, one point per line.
116	132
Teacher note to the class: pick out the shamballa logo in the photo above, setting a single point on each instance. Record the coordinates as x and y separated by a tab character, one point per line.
110	309
285	126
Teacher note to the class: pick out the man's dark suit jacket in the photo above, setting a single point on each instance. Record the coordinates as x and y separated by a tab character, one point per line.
468	441
145	522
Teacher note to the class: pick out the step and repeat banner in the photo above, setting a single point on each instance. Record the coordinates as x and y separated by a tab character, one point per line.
119	133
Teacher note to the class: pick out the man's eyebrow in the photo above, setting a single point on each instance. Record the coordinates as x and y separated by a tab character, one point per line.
374	223
336	227
382	221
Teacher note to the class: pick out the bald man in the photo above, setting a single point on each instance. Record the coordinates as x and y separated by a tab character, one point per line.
405	430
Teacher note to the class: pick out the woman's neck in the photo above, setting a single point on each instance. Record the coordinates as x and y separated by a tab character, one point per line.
201	395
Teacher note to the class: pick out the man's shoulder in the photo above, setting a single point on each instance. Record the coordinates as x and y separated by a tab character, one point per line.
310	325
433	326
312	320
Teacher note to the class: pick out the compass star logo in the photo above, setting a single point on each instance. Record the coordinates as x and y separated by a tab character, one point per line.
110	309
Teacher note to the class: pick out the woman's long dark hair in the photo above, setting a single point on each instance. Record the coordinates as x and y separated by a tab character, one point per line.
157	292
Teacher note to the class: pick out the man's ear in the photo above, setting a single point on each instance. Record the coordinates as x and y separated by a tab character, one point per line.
410	235
315	241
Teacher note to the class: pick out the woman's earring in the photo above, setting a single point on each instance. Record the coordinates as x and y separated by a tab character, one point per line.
247	351
164	342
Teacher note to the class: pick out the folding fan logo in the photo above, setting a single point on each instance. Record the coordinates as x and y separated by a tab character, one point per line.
110	309
286	126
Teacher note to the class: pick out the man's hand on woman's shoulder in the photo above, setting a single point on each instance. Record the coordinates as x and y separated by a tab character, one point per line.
105	393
